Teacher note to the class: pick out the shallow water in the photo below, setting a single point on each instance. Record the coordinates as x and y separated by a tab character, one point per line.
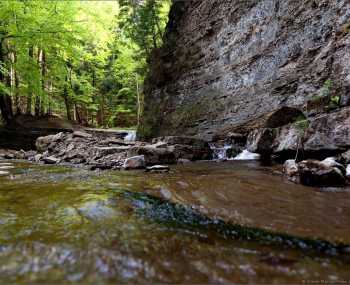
61	225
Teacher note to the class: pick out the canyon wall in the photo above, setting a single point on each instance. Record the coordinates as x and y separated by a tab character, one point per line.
227	63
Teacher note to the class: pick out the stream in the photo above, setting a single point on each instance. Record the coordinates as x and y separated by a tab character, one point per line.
206	222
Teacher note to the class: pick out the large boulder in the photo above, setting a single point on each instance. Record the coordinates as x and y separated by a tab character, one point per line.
345	157
261	141
43	143
135	162
318	174
329	132
153	155
291	170
287	141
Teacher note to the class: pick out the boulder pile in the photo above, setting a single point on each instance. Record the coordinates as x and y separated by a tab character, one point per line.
80	148
326	173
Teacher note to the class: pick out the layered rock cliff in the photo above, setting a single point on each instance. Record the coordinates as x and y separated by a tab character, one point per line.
226	64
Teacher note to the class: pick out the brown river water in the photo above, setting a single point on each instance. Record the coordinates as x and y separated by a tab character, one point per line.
202	223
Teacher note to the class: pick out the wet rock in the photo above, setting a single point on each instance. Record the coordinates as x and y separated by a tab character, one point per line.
135	162
315	173
80	134
261	141
158	168
291	169
331	162
153	155
38	157
345	157
348	171
11	154
30	154
183	161
50	160
185	147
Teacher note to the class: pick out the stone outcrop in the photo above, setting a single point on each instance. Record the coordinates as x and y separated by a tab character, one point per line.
319	136
101	152
225	65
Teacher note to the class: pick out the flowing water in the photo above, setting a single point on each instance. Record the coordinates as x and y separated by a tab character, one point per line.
222	223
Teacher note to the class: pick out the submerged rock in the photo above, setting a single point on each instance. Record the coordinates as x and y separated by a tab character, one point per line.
158	168
316	173
135	162
291	170
51	160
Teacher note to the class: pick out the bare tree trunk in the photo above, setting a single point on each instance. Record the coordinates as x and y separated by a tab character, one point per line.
43	74
37	96
66	100
30	89
5	99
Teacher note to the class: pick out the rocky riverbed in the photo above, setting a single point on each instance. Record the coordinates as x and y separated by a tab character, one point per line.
205	223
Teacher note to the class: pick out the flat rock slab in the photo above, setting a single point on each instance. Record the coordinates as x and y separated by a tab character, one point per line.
4	173
158	168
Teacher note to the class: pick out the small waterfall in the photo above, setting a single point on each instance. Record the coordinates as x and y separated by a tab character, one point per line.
130	137
220	153
246	155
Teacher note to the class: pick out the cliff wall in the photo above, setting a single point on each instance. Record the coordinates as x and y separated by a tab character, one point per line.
227	63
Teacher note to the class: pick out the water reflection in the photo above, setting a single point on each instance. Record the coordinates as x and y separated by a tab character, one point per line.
60	225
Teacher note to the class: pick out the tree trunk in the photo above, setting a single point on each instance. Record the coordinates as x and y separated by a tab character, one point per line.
43	84
30	90
5	99
66	99
37	96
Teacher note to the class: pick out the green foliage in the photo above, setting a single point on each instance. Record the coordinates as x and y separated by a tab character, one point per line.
85	59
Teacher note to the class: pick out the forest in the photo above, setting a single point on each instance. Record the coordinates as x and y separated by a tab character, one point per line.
84	61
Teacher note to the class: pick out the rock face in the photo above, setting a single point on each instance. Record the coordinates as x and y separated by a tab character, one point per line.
226	64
